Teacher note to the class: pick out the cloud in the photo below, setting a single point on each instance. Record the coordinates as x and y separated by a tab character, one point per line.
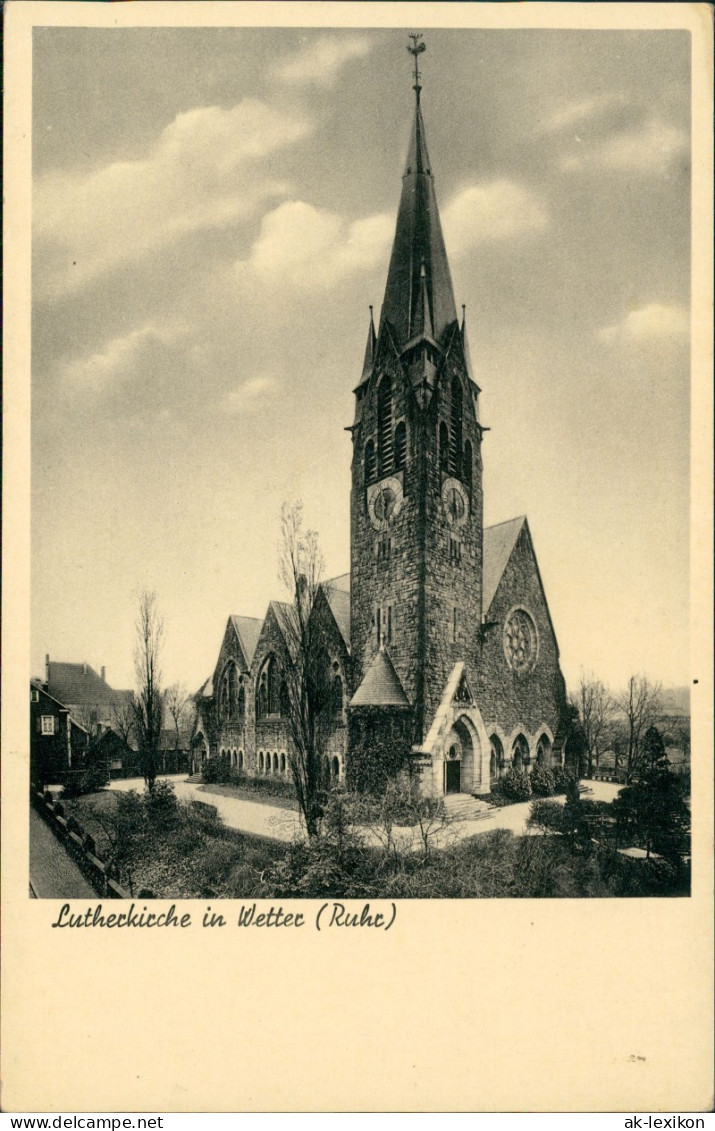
653	321
320	61
307	247
653	147
498	210
204	171
120	360
251	396
601	113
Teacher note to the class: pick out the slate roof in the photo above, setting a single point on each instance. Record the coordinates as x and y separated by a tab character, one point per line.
339	601
419	298
77	684
341	583
499	541
381	686
248	629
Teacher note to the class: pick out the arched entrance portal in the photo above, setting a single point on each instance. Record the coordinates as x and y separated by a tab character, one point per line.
460	763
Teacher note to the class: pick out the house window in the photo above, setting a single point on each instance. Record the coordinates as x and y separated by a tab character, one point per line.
384	425
34	695
47	724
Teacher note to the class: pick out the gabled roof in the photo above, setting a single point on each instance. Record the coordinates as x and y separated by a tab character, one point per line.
341	583
499	541
381	686
77	684
37	685
248	629
339	602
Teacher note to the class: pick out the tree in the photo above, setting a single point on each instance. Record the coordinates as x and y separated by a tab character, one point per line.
640	705
148	699
307	671
181	709
123	716
651	810
595	706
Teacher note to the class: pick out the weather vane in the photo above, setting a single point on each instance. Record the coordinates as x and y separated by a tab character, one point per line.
416	49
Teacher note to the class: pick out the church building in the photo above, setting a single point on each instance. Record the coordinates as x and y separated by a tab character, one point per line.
441	632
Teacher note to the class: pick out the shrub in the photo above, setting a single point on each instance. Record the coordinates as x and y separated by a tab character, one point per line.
219	771
214	864
547	816
516	785
161	806
563	778
542	781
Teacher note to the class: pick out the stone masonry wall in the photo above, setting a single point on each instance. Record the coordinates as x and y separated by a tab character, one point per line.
509	699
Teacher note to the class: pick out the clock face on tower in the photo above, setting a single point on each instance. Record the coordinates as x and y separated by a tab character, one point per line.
384	502
456	502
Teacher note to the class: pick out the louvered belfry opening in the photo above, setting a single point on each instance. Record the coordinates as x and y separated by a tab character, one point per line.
400	446
384	425
455	431
370	462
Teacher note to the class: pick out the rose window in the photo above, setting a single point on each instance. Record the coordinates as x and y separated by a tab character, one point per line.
520	641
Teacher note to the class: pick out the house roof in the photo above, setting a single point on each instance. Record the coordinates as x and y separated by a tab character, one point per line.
381	686
77	684
499	541
248	629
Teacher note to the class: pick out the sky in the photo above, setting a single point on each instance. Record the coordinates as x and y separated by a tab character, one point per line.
213	212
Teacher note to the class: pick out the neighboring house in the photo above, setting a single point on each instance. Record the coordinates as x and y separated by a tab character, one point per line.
58	743
441	633
88	695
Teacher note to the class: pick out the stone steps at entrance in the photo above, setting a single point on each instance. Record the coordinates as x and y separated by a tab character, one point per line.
466	807
198	778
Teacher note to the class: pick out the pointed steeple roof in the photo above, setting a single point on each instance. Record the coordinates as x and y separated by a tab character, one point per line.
418	243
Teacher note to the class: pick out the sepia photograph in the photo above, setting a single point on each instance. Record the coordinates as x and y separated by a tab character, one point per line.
357	559
333	330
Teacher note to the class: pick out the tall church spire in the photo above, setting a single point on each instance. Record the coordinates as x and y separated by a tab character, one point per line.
418	269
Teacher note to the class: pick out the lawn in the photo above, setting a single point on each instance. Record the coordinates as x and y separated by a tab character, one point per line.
262	792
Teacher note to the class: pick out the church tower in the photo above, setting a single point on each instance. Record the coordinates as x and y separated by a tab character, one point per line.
416	500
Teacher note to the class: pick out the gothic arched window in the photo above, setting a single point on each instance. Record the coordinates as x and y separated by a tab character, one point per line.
241	701
543	751
337	694
520	753
229	686
370	463
384	425
268	695
467	465
455	431
443	447
400	446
